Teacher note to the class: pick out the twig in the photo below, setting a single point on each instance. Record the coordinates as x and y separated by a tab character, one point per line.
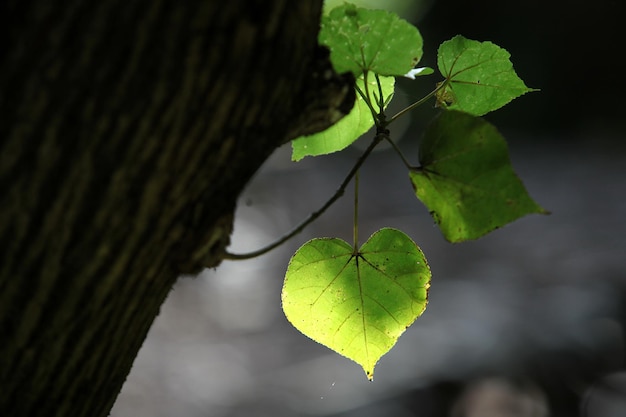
400	154
340	191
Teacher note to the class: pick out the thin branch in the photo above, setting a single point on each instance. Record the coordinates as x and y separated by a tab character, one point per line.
313	216
365	86
400	154
367	101
419	102
381	100
355	223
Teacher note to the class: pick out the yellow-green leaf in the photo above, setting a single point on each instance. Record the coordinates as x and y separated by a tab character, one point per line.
343	133
357	304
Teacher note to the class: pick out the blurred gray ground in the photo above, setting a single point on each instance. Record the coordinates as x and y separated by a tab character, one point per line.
540	300
527	321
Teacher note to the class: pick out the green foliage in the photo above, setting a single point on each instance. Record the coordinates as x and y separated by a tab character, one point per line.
343	133
357	303
466	179
479	76
363	40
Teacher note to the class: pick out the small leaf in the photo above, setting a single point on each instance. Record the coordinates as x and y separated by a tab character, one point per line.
370	40
466	179
357	304
480	77
345	131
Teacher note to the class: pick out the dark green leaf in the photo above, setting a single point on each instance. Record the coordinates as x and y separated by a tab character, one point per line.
370	40
466	179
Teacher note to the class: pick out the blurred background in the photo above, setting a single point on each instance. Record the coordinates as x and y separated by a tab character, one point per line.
527	321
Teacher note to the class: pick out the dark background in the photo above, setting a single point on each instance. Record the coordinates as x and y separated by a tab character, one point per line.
528	321
571	50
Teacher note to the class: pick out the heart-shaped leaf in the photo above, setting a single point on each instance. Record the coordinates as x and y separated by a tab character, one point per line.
479	75
466	179
357	304
370	40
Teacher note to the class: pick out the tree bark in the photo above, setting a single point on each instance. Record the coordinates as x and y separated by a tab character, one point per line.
127	131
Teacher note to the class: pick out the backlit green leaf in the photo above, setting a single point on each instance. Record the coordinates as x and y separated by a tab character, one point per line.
357	304
345	131
370	40
466	179
480	77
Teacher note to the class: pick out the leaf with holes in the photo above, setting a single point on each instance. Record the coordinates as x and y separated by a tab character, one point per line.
370	40
479	76
343	133
466	179
357	304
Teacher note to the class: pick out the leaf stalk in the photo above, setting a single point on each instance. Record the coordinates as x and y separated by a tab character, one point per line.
418	102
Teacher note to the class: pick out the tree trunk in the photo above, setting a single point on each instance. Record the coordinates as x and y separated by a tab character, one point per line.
127	131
